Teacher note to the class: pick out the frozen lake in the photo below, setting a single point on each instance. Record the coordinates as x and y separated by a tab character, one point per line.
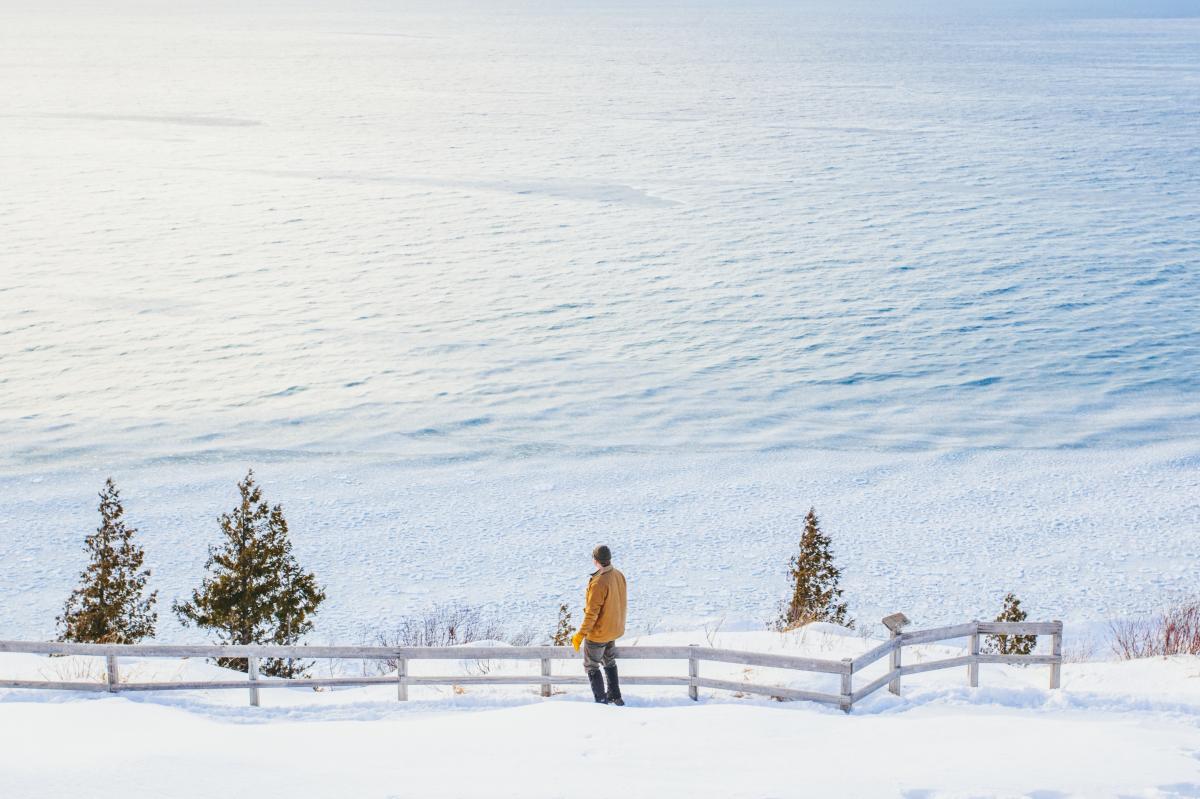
474	286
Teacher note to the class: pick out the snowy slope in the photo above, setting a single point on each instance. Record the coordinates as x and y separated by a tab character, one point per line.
941	536
1115	729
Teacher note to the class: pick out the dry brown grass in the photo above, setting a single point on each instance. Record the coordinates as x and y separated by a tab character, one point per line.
1174	631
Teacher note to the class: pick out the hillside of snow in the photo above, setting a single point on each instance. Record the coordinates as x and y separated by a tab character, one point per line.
1114	729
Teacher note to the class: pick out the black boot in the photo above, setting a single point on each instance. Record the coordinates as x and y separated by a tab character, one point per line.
614	686
597	680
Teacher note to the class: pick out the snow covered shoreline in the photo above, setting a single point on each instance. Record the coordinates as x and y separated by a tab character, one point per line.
1114	729
1082	536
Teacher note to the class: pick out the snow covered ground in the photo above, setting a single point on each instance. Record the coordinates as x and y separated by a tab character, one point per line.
1129	729
940	536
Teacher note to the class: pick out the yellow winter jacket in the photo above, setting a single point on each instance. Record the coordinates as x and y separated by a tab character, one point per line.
604	606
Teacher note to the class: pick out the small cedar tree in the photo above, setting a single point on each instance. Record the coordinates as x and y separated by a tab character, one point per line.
816	595
562	636
1010	644
255	591
111	605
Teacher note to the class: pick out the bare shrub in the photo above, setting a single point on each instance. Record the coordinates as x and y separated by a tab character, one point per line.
1132	638
1174	631
1180	628
711	630
447	625
444	625
77	668
1080	651
523	637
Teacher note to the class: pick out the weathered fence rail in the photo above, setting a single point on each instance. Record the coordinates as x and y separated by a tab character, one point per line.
847	668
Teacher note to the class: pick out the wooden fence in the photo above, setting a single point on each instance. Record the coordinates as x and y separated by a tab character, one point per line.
847	668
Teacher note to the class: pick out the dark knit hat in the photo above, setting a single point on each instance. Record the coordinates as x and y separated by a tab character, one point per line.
602	555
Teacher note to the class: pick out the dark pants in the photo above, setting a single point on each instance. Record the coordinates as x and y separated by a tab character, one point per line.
597	655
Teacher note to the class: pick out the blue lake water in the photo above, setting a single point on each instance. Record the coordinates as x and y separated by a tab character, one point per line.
550	238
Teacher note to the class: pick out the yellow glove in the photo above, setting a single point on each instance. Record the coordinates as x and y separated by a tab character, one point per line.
576	640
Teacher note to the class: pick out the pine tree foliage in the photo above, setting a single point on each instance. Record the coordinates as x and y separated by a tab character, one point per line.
255	591
1010	644
111	605
815	592
562	636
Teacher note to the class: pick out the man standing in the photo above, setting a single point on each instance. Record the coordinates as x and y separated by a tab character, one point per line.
603	623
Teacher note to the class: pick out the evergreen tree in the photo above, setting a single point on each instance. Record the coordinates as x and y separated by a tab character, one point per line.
110	605
1010	644
255	591
815	592
562	636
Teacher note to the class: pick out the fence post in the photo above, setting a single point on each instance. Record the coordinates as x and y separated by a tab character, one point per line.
973	666
401	679
894	662
546	673
253	681
847	684
114	679
693	673
1056	651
